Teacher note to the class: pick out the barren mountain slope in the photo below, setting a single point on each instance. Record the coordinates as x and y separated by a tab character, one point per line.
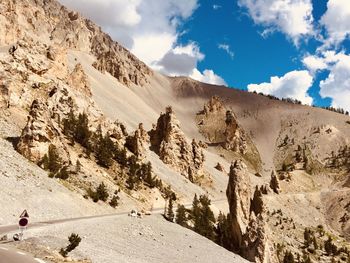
287	163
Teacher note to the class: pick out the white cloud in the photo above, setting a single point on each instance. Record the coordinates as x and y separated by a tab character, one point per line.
292	17
324	60
337	21
294	84
314	63
150	48
208	76
180	61
337	84
149	28
216	7
227	49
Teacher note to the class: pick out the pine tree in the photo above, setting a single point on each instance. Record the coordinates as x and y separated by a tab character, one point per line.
170	212
195	211
288	257
105	150
52	161
63	173
69	126
101	192
204	225
82	133
307	237
223	232
121	157
115	200
74	241
181	217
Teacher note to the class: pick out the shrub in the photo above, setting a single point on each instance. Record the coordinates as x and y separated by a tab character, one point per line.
74	241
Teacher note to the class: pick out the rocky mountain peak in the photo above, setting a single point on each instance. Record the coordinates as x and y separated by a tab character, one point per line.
170	143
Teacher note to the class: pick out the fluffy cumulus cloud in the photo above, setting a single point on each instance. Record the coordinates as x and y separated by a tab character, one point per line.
149	28
292	17
336	20
337	84
294	84
208	76
181	60
324	60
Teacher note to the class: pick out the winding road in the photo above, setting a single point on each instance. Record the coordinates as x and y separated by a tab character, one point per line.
11	255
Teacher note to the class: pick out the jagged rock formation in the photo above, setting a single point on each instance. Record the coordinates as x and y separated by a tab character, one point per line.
220	126
39	133
214	105
52	24
248	225
137	142
170	143
254	241
78	80
274	184
235	139
239	195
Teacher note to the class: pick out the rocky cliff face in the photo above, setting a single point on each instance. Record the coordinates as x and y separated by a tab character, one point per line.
235	138
39	133
170	143
239	195
47	22
78	80
220	126
138	142
246	212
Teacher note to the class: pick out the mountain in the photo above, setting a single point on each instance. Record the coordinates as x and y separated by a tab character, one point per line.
80	113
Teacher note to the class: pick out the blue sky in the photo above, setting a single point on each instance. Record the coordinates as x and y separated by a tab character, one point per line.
256	58
287	48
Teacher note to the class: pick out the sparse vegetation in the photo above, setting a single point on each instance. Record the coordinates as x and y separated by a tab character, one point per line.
74	241
100	193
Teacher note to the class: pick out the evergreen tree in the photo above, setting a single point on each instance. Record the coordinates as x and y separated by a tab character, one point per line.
181	217
288	257
101	192
74	241
63	173
69	126
329	247
170	211
121	157
52	161
195	212
307	237
105	150
206	222
82	133
115	200
223	232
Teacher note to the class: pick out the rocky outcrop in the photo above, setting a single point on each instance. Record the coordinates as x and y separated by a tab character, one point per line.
255	240
121	70
235	139
219	167
214	105
138	142
78	81
246	212
39	133
52	24
170	143
274	183
239	194
220	126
